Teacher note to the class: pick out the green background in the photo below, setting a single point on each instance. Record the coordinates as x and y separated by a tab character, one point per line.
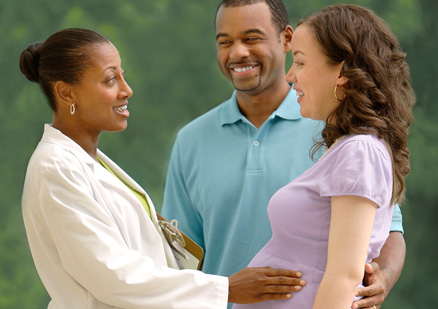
169	53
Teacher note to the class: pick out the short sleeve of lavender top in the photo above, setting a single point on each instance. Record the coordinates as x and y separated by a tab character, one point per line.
358	166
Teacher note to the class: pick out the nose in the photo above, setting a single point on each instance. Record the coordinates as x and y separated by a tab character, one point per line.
238	51
290	76
126	90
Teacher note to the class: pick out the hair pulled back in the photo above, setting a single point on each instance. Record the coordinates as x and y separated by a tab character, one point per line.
379	97
64	56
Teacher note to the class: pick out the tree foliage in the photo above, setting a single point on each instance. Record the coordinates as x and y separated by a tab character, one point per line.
169	53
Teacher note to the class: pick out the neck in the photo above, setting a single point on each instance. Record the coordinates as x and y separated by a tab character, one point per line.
258	107
87	141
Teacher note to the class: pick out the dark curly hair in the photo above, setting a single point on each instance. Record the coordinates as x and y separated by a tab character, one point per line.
379	97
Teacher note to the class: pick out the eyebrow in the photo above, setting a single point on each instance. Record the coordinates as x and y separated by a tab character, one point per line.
249	31
298	52
114	68
110	68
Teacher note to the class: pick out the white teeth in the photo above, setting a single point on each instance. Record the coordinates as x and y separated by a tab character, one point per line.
243	69
121	108
300	93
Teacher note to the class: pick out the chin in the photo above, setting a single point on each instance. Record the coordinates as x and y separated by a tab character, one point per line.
304	114
123	128
119	128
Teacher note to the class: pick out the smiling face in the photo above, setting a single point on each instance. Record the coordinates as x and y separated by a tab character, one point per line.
101	97
313	76
250	51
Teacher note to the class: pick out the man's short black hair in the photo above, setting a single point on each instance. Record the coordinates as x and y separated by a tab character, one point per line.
280	18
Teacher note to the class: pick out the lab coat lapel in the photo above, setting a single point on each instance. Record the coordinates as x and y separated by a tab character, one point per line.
171	261
125	178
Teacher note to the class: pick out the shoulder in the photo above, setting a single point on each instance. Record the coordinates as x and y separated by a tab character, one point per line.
56	149
364	155
48	154
57	155
206	123
364	143
53	168
359	165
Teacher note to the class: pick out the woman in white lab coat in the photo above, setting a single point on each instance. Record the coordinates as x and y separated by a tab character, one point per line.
92	230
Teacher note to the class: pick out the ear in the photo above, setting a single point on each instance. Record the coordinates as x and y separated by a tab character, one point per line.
342	80
287	35
64	91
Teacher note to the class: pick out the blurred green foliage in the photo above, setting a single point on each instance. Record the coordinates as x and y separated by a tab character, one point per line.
168	50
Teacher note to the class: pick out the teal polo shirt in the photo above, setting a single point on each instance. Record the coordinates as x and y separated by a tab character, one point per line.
223	172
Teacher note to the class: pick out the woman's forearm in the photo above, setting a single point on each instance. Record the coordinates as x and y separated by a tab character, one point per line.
351	223
336	291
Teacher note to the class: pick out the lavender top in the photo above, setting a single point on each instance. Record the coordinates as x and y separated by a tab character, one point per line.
299	212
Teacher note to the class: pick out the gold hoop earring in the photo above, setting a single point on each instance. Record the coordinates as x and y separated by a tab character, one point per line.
336	94
72	109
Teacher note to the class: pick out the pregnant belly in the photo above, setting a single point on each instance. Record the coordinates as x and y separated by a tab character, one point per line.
302	299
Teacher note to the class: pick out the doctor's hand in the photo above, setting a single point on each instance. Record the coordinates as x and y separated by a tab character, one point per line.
253	285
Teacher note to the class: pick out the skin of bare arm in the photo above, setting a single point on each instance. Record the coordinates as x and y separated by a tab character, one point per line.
351	224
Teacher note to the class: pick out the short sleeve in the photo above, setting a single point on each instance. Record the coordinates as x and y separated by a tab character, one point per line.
360	167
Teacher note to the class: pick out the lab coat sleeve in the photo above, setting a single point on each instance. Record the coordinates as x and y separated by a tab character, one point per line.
94	253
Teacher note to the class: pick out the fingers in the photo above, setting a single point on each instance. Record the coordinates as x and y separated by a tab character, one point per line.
281	279
272	272
265	297
280	283
280	289
372	290
274	284
263	283
372	267
372	296
368	302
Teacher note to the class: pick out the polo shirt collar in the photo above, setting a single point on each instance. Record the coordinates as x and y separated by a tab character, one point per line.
289	109
230	112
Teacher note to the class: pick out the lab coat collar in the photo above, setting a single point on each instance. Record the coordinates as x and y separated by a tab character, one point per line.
53	135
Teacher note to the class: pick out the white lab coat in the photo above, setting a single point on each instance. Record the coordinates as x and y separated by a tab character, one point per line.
93	243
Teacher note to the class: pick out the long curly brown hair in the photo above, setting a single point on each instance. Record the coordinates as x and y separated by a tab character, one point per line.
379	97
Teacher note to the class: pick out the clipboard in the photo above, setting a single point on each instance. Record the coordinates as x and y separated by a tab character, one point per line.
188	254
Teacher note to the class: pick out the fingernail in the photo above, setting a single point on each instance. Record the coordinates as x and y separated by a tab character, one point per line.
299	274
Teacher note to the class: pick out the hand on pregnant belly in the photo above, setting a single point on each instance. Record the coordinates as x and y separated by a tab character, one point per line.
257	284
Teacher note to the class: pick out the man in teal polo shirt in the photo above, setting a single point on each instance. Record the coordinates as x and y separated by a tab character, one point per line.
226	164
